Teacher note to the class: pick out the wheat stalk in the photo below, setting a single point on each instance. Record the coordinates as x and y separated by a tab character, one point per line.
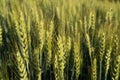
85	25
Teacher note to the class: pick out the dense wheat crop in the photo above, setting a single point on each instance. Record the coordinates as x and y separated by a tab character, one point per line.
59	39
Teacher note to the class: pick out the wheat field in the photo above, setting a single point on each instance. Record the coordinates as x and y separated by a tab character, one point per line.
59	39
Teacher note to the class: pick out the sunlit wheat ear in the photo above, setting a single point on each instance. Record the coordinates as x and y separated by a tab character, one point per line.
107	61
49	35
76	48
92	26
40	25
20	67
38	31
61	57
77	59
115	46
109	15
101	46
56	67
88	44
115	65
101	52
68	48
23	38
41	40
0	35
94	70
41	34
116	68
49	51
59	62
91	21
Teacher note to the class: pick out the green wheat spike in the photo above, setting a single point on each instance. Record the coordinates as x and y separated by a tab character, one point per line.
101	52
94	70
49	37
77	59
38	43
23	38
59	63
19	66
115	65
107	61
116	68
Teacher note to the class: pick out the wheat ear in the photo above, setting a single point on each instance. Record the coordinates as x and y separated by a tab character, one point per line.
38	26
77	55
116	68
94	69
107	61
101	53
77	59
22	34
115	64
59	63
49	34
20	67
87	37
